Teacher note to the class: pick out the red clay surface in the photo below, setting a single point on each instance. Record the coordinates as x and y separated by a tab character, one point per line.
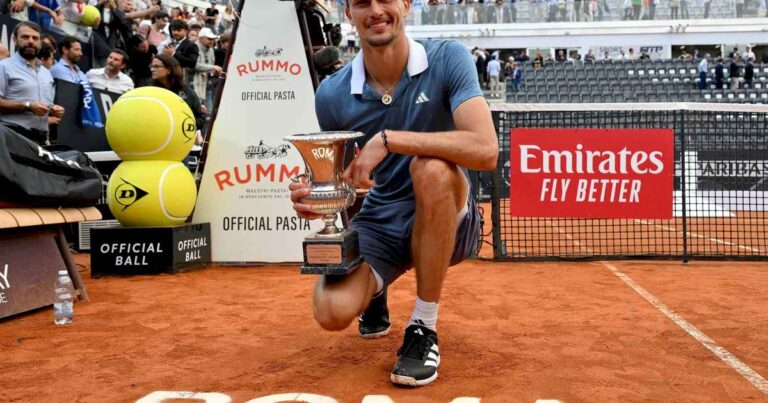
509	332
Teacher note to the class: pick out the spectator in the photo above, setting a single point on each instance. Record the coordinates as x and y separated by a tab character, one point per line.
42	13
707	5
46	55
739	9
51	41
509	67
517	77
538	61
118	31
748	54
589	57
185	51
719	74
193	34
351	40
205	67
734	72
632	56
140	55
494	69
111	78
211	16
167	73
227	21
627	10
221	51
606	56
684	14
67	69
703	69
19	10
560	56
480	66
154	31
749	72
674	6
26	88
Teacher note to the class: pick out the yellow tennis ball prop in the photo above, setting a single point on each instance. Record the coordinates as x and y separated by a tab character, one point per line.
151	193
90	16
151	123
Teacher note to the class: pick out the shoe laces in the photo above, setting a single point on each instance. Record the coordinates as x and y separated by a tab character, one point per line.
416	346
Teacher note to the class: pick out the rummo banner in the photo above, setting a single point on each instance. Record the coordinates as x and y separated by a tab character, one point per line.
267	95
591	173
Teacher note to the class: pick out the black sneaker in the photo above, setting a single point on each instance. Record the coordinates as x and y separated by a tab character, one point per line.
374	322
418	358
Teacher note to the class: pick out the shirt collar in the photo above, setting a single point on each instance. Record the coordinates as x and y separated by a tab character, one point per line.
69	66
23	62
417	63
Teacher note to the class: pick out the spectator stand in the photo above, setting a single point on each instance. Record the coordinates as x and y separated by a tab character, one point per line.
670	80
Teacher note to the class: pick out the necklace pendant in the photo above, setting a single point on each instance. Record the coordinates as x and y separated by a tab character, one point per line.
386	99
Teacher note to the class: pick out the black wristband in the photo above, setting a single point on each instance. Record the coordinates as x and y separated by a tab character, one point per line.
384	139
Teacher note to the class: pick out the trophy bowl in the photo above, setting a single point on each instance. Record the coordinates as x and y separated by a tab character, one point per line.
323	155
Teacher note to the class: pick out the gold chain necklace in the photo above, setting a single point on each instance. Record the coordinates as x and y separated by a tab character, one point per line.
386	99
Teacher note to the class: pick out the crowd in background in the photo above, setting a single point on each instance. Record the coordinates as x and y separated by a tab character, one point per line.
735	70
436	12
135	44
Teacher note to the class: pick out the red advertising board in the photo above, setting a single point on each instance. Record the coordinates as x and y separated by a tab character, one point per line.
591	173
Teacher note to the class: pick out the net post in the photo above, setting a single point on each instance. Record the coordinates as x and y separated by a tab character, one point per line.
680	126
498	252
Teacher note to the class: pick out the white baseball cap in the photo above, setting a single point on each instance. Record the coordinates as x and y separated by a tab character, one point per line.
207	33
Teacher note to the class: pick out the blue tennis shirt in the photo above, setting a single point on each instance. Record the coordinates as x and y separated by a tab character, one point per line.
440	76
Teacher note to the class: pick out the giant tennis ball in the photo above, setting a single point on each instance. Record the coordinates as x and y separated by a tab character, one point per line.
151	193
90	16
151	123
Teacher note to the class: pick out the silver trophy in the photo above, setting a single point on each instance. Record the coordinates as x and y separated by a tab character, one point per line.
330	251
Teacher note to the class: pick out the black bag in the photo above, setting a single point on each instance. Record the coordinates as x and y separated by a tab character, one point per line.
54	176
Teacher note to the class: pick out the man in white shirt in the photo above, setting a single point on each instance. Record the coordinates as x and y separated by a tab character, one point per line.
205	67
703	69
494	69
111	78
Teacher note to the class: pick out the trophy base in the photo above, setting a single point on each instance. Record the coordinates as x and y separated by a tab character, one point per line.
333	255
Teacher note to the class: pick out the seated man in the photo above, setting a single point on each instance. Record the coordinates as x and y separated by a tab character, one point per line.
26	88
425	120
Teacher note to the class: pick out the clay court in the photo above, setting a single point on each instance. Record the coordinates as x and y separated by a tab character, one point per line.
509	332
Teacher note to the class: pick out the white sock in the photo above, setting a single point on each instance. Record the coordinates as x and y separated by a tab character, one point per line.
379	282
424	314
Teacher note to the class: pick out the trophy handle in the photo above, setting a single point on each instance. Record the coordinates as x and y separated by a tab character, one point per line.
351	196
297	178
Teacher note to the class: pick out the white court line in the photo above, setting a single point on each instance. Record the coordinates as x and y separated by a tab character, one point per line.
693	234
729	359
732	361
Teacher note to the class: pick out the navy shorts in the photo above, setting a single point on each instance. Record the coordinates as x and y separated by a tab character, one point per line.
385	237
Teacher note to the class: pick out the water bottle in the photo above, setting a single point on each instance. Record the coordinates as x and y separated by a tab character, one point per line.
63	305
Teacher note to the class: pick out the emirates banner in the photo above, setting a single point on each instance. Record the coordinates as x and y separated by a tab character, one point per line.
267	95
591	173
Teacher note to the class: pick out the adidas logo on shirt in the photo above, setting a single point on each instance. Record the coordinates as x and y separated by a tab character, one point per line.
422	98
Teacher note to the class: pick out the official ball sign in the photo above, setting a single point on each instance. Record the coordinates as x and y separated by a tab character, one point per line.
591	173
